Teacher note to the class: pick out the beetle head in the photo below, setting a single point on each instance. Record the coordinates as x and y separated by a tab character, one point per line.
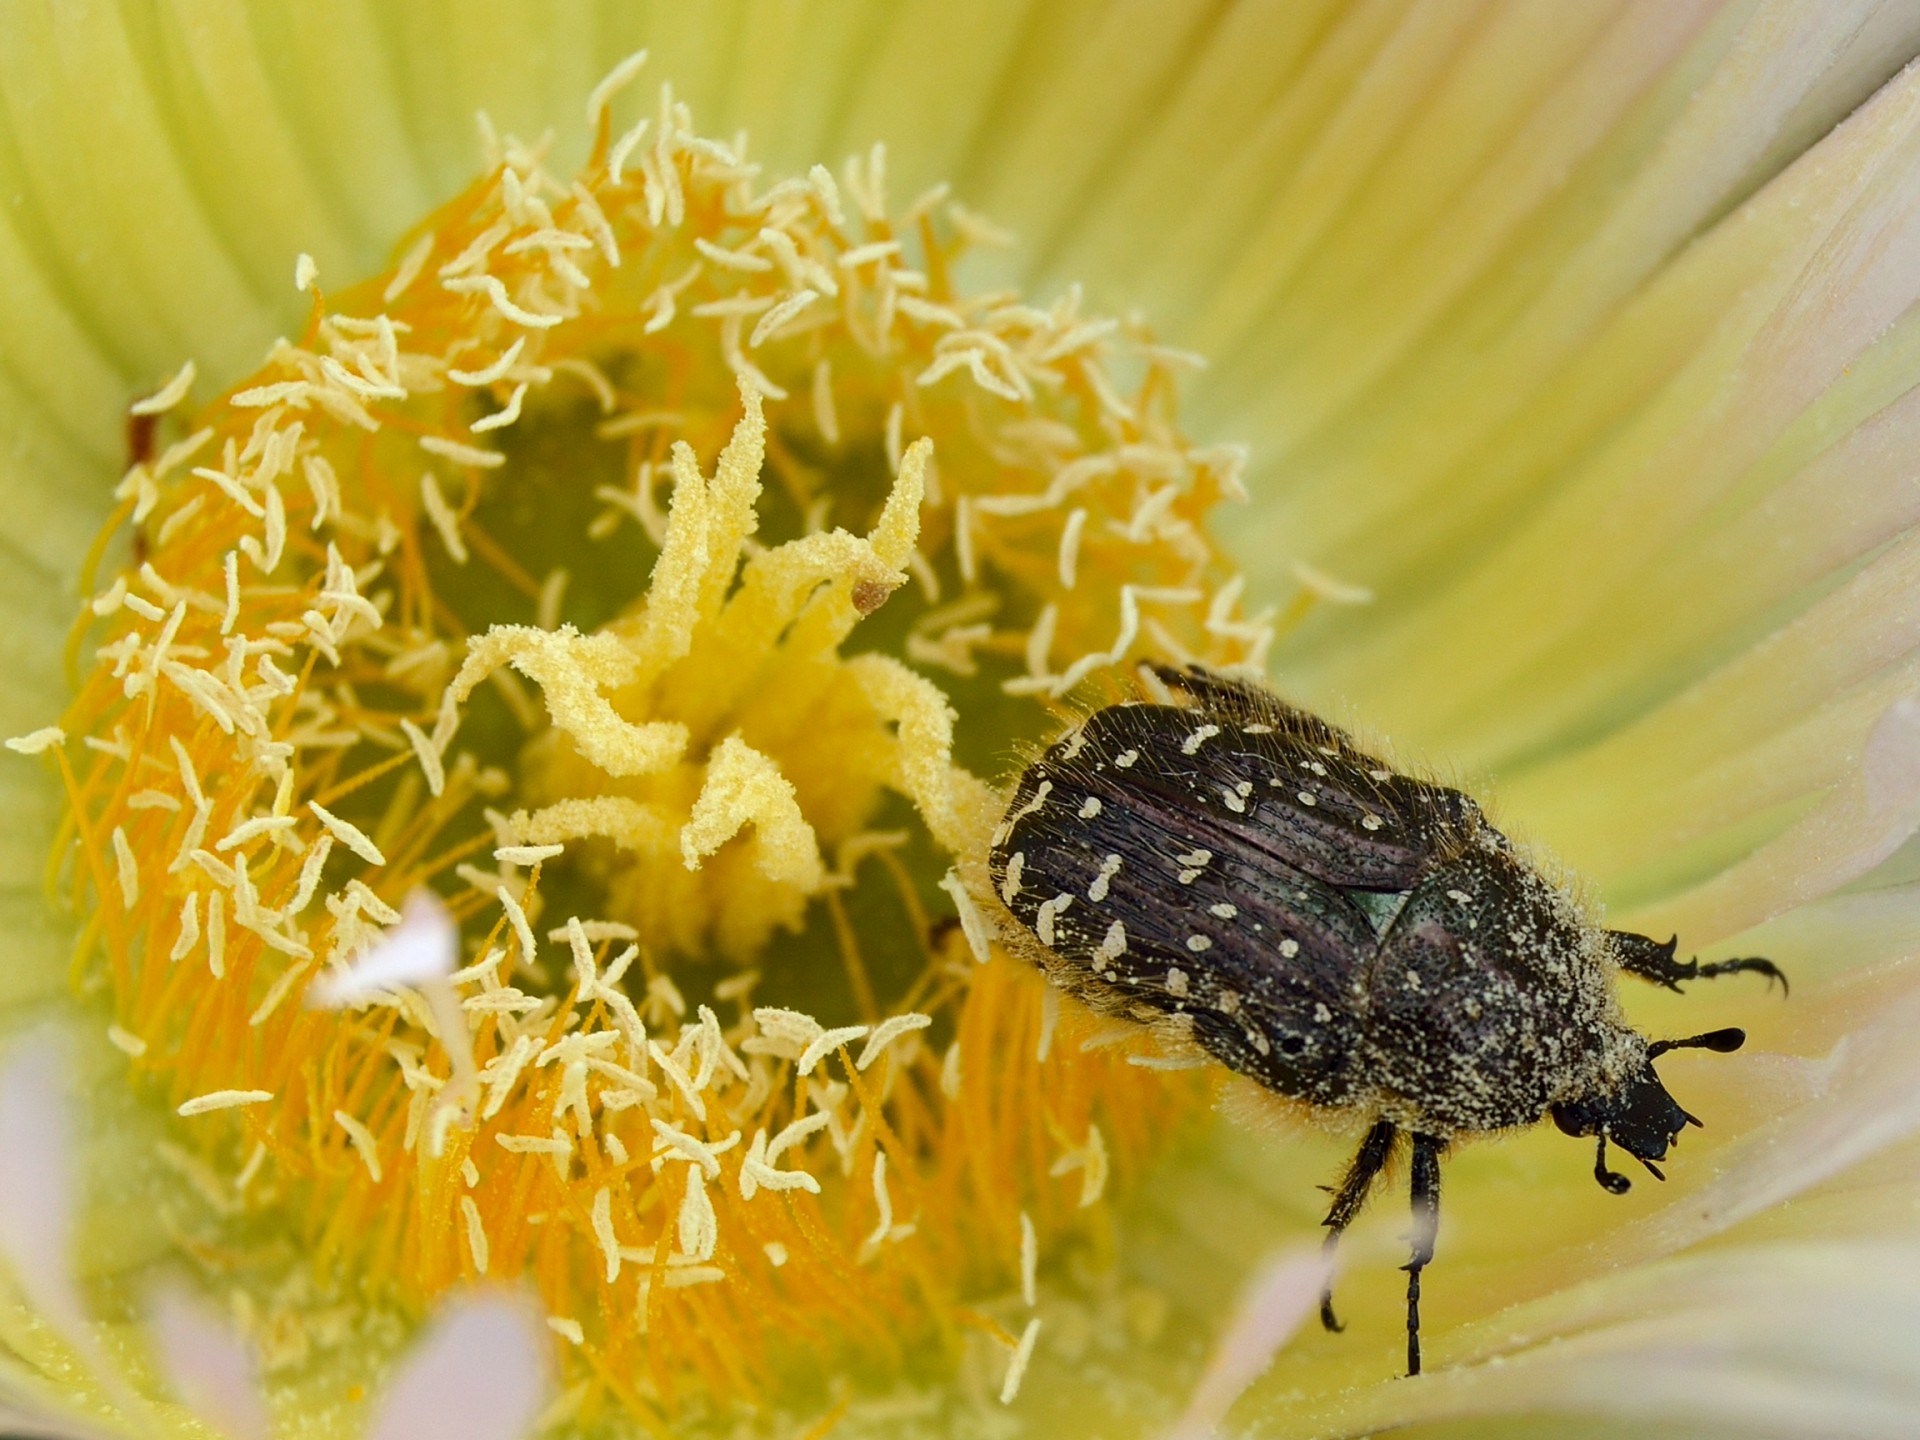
1639	1115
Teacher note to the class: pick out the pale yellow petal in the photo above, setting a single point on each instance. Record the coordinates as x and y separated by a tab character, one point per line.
1533	339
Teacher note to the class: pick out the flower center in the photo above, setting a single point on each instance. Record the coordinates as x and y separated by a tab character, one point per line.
658	567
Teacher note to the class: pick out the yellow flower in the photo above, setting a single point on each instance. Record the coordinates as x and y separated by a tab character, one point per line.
661	561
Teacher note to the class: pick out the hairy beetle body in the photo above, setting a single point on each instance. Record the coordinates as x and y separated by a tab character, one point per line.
1242	876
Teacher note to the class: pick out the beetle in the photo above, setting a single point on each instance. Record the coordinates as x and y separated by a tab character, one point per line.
1244	877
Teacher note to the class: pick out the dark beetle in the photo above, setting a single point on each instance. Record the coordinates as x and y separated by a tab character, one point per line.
1240	875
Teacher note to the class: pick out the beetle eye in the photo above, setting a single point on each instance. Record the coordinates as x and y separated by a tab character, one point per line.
1576	1119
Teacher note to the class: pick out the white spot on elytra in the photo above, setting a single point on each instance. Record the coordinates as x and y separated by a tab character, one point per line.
1109	868
1177	982
1316	767
1044	789
1191	745
1305	797
1380	774
1050	910
1194	857
1259	729
1010	883
1090	809
1199	944
1075	743
1223	910
1322	1015
1234	802
1370	821
1124	760
1289	948
1459	897
1111	948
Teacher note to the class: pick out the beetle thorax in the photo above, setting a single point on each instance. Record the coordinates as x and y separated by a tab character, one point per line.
1489	998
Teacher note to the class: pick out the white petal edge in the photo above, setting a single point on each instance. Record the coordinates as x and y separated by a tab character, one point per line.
480	1372
210	1367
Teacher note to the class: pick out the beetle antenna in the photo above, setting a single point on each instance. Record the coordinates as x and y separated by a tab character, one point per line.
1652	1169
1725	1042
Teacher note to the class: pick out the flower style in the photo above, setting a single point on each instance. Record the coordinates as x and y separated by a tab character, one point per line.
662	555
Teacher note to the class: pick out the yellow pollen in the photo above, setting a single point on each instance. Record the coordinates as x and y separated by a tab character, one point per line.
653	561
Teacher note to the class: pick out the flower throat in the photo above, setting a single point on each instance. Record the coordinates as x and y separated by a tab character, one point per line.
656	566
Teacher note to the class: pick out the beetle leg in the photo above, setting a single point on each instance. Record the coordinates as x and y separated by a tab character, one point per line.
1641	956
1754	963
1368	1161
1611	1181
1426	1222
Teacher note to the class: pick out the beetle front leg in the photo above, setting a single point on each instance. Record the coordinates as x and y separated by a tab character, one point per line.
1368	1161
1640	955
1426	1223
1611	1181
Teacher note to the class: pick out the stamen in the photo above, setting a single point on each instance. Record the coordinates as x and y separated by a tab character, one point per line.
273	767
